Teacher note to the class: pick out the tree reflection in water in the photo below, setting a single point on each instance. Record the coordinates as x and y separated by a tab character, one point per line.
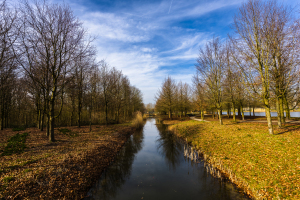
114	177
169	146
147	176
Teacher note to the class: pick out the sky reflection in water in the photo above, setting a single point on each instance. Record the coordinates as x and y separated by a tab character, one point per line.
151	165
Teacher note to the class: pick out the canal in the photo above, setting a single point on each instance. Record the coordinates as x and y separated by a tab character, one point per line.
151	165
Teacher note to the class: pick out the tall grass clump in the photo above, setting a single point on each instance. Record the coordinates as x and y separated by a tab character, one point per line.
138	121
144	116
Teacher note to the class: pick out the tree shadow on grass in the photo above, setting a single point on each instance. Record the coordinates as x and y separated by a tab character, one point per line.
287	129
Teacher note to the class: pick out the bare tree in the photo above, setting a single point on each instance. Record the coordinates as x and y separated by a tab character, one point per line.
199	94
165	98
231	81
49	43
8	36
211	66
252	49
281	33
106	84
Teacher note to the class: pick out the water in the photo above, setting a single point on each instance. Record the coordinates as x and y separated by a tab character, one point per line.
263	114
151	165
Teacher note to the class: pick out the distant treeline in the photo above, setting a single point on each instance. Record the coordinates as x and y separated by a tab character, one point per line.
256	66
49	75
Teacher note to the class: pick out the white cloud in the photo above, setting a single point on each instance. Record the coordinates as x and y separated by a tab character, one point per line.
148	49
110	26
123	39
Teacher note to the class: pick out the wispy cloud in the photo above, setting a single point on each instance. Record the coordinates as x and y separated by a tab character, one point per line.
150	40
170	7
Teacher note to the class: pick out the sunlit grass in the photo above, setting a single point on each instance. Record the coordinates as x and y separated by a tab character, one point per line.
268	166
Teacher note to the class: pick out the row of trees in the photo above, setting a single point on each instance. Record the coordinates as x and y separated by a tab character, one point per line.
256	66
49	73
173	98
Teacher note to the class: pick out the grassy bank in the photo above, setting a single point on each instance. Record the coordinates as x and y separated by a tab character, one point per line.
175	120
33	168
265	166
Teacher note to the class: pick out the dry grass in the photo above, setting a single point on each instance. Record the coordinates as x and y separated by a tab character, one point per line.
266	166
166	120
64	169
138	121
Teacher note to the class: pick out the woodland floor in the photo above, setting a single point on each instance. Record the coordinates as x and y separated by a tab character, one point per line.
64	169
265	166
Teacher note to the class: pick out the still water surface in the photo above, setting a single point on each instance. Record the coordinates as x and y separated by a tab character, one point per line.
263	114
151	165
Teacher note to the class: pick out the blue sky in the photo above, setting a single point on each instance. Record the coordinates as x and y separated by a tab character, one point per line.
151	39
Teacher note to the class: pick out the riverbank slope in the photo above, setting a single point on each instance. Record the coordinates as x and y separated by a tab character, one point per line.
265	166
64	169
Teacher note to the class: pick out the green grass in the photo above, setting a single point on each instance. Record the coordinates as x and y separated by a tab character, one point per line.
19	129
124	124
68	132
15	145
267	165
27	170
8	179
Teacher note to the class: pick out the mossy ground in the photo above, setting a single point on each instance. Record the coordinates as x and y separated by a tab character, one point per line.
266	166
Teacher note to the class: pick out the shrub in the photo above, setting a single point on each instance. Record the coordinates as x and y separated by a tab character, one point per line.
64	130
138	121
8	179
19	129
68	132
144	116
16	144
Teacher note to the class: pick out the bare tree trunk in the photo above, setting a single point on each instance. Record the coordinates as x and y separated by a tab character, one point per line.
202	114
170	114
71	118
287	108
278	113
233	113
48	125
2	116
253	111
39	119
220	116
242	110
268	115
281	110
2	122
106	113
52	120
239	112
228	112
42	120
79	110
26	125
6	120
90	120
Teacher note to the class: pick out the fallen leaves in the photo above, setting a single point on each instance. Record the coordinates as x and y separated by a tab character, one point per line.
65	169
